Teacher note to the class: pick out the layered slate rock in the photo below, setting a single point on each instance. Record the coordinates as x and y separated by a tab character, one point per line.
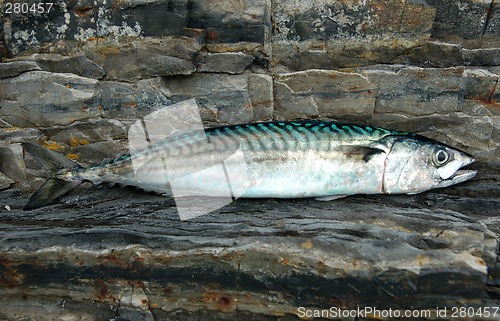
40	98
333	34
79	65
362	251
319	93
226	98
231	63
467	19
83	22
75	80
12	69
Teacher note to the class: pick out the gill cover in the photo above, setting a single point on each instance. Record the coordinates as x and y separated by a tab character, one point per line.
416	164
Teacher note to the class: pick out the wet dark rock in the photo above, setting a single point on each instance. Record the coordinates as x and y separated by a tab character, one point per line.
466	19
225	98
482	57
5	182
110	253
124	100
79	65
231	63
432	54
39	98
231	22
416	91
82	133
12	164
132	63
95	153
11	134
12	69
480	84
252	251
324	93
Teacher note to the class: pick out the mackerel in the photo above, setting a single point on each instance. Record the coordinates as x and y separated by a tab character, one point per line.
320	159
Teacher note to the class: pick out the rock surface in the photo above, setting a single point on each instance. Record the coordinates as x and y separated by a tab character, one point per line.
79	65
231	63
74	80
12	69
130	252
320	93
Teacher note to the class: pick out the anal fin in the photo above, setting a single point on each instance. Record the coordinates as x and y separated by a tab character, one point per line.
329	198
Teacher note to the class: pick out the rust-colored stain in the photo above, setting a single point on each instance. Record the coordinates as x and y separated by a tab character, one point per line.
487	102
223	301
103	292
307	245
53	146
85	11
110	50
73	156
168	290
74	142
116	260
11	278
212	35
131	104
321	267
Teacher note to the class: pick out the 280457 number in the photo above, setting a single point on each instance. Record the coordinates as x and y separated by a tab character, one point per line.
25	8
471	312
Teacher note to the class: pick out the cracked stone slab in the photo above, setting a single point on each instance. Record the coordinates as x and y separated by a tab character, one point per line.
88	22
225	98
79	65
416	91
15	68
13	166
467	19
132	63
40	98
231	63
482	57
5	182
322	93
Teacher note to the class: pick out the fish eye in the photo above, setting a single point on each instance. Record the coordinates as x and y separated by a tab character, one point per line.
441	157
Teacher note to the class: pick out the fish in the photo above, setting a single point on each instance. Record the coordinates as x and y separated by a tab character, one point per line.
297	159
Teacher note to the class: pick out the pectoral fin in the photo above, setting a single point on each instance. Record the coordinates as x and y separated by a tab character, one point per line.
361	152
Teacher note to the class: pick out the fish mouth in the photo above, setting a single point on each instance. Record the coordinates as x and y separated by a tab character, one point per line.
460	175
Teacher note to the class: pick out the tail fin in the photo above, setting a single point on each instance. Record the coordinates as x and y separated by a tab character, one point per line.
53	187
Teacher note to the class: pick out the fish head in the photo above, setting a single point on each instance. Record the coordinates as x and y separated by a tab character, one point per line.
416	164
